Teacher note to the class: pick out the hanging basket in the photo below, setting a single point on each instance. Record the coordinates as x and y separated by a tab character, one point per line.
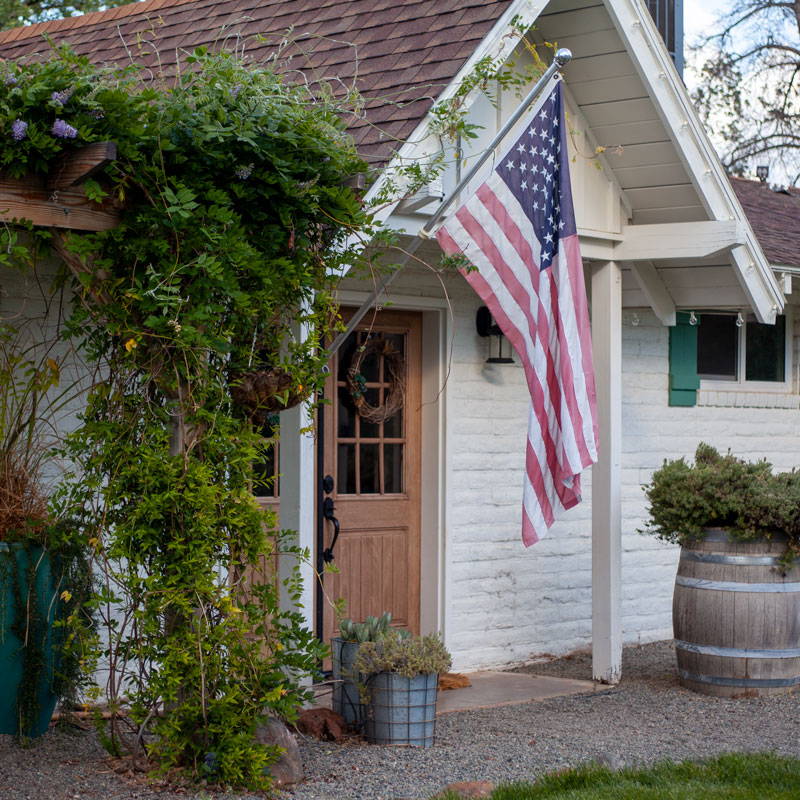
394	373
262	393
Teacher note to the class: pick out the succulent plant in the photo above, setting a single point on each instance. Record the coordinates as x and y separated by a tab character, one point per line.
370	630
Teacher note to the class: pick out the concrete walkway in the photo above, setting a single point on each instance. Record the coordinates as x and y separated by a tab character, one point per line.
492	689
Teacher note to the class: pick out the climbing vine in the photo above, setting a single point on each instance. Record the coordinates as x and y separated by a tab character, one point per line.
234	214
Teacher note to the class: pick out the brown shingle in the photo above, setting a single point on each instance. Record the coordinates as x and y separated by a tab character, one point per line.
407	50
774	217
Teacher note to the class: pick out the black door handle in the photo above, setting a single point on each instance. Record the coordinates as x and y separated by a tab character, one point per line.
327	512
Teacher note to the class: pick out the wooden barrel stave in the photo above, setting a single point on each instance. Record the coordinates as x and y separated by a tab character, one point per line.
739	636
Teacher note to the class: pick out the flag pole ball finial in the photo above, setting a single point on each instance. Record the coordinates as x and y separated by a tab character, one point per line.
562	57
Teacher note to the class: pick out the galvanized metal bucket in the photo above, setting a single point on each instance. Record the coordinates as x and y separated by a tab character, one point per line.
402	711
346	700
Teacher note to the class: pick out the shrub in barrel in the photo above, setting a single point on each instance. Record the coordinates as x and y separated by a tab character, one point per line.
736	606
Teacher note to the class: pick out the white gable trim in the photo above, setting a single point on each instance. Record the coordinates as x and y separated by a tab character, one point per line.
658	74
498	44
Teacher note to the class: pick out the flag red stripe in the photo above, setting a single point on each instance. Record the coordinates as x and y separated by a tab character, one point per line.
573	255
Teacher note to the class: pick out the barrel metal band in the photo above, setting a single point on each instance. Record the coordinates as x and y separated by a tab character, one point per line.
736	586
758	683
741	561
735	652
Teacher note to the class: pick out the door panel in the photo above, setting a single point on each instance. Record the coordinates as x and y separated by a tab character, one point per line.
376	469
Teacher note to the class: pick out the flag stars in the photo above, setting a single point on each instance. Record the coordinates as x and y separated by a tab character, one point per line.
510	165
521	149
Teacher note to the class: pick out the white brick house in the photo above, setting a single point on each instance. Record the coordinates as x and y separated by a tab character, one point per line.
429	502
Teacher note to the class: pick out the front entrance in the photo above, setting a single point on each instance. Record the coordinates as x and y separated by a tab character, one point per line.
372	451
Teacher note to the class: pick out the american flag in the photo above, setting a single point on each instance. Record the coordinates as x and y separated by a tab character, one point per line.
518	231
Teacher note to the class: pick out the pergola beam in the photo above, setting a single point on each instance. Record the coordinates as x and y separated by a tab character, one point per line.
81	164
58	201
679	240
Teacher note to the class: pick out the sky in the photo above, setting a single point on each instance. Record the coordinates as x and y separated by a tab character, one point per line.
699	17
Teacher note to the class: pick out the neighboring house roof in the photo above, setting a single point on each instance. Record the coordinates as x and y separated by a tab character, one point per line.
404	52
775	217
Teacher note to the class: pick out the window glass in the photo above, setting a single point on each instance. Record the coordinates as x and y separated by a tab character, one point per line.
717	346
765	350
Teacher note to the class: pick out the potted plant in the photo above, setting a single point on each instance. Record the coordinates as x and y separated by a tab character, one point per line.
344	649
399	681
44	576
737	592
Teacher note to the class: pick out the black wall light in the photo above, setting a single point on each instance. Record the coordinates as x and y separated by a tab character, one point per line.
487	327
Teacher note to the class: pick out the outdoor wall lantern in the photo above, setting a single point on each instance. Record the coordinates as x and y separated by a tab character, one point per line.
487	328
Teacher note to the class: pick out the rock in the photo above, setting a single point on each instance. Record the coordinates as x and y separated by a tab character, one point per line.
469	789
289	766
454	680
321	723
612	761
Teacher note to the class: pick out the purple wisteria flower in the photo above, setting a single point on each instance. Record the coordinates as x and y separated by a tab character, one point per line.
60	98
63	130
10	80
243	173
19	130
234	91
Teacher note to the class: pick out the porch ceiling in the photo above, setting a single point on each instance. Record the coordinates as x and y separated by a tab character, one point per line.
604	83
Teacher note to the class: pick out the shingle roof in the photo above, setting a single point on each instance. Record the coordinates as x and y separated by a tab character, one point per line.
403	52
775	218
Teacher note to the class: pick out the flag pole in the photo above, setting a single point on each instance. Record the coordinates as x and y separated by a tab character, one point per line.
561	58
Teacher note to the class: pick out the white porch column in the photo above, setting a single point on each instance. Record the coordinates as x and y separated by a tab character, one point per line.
298	487
606	503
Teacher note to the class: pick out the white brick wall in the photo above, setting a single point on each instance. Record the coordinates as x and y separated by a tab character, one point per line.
505	604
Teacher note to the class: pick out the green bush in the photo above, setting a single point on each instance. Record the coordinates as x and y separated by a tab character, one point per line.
722	491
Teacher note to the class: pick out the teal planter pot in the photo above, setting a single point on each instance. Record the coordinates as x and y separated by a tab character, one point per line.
18	660
402	711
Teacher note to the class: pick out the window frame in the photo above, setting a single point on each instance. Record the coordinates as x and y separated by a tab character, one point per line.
740	384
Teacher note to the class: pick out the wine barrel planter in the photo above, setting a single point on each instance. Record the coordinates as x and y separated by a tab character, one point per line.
736	618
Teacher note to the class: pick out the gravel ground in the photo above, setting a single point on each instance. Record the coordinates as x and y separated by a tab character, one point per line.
648	717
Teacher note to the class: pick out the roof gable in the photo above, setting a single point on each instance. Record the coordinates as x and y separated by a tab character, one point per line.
404	54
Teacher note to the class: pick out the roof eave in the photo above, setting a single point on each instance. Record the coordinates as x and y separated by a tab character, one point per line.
659	75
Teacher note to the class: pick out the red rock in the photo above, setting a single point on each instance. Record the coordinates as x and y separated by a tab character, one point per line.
321	723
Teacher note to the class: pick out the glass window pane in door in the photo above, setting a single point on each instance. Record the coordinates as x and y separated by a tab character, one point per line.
369	469
393	468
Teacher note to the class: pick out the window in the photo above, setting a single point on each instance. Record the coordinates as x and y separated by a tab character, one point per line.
738	349
736	358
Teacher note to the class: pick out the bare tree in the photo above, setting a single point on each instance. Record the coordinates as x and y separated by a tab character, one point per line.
749	90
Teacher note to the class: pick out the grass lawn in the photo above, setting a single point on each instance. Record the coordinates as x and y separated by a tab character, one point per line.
729	777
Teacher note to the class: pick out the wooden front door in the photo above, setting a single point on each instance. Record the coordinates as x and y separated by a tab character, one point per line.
375	467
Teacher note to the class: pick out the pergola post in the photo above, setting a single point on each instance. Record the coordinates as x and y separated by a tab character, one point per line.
297	487
606	501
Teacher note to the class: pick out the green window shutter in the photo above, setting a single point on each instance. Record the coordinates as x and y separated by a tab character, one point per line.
683	380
